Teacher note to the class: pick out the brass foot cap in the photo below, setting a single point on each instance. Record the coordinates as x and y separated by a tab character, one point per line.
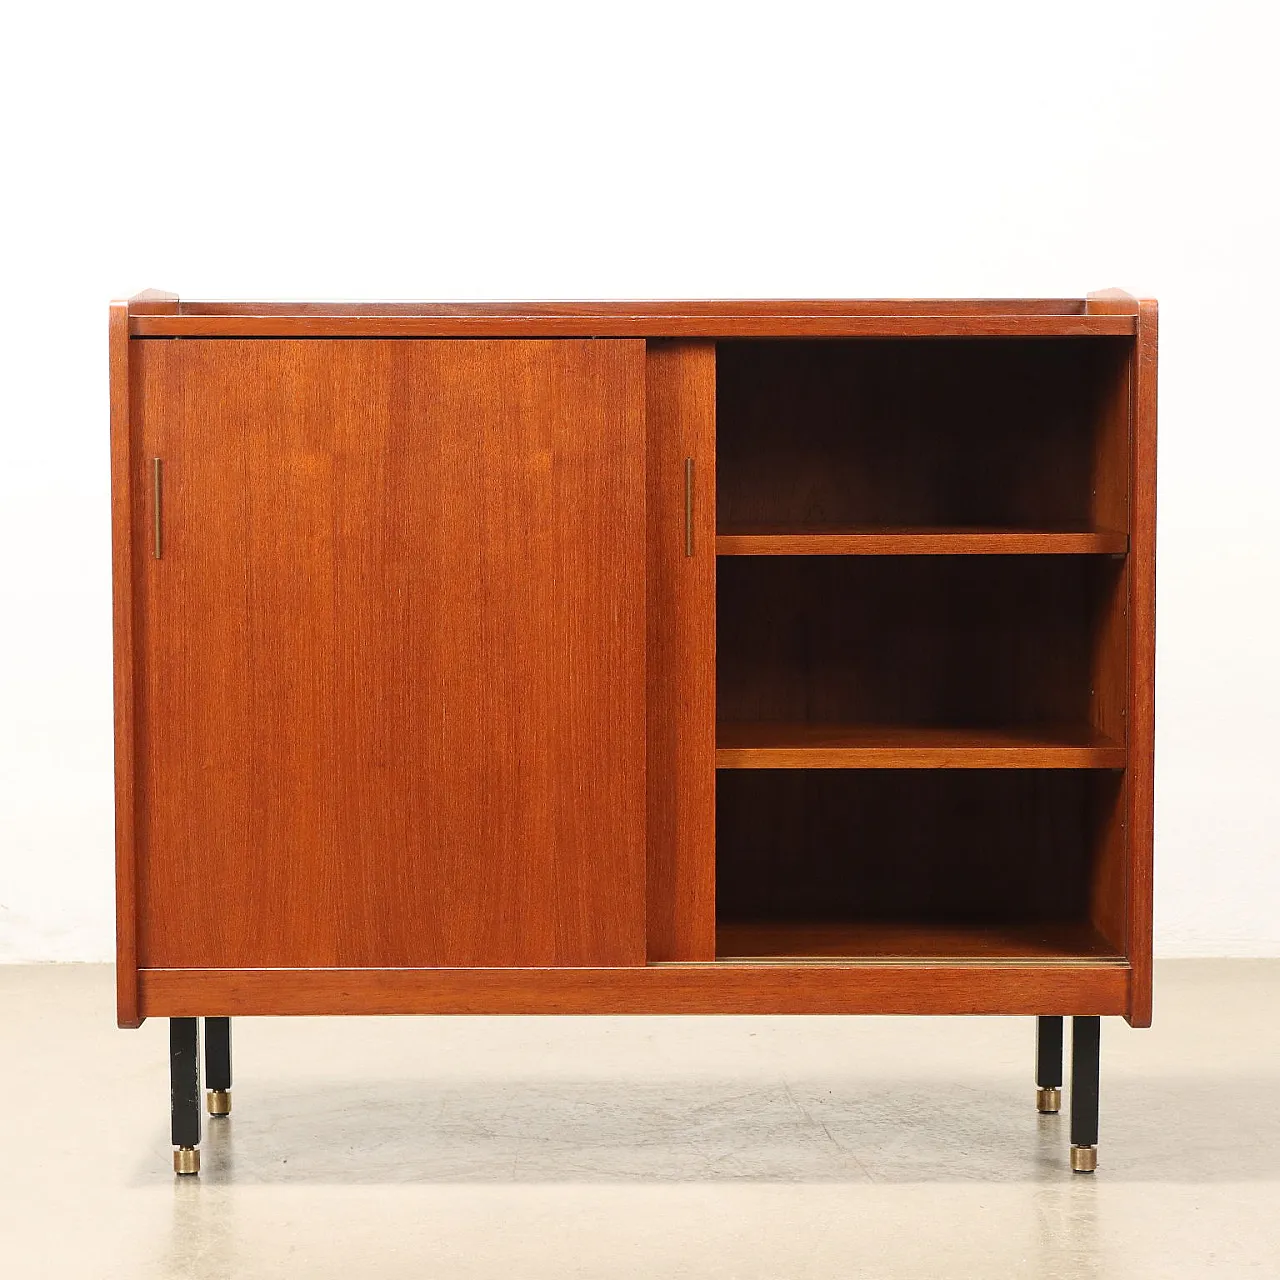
219	1102
1084	1159
1048	1101
186	1160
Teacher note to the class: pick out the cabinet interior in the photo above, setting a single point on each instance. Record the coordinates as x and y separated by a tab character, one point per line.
866	687
916	641
915	862
935	433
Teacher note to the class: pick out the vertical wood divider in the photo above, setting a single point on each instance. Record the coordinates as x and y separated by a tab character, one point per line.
1110	676
681	420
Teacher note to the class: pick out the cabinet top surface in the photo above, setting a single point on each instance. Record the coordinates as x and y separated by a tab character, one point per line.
1112	313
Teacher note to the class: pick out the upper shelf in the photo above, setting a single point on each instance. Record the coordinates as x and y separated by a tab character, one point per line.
872	540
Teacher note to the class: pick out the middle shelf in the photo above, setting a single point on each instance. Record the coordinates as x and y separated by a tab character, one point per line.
801	745
886	540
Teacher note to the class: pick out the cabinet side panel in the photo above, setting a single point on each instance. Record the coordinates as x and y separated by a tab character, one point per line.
1109	678
1142	658
122	603
681	650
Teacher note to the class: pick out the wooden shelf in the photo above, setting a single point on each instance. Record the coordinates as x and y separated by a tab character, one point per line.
1052	941
873	540
769	745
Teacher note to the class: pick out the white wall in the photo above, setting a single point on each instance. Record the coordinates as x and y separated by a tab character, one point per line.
645	150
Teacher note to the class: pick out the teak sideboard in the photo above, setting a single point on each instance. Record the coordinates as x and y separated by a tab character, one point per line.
634	658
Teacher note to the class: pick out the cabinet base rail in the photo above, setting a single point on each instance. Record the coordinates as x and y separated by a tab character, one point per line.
997	987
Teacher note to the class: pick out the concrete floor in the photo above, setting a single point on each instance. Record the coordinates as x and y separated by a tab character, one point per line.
743	1147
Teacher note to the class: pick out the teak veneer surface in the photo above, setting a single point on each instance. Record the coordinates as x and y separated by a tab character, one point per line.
881	540
914	641
392	659
424	684
754	318
676	307
1135	897
126	470
780	745
974	986
888	941
991	434
681	629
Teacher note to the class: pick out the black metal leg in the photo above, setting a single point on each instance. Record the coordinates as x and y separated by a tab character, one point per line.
1048	1065
217	1064
1085	1041
184	1093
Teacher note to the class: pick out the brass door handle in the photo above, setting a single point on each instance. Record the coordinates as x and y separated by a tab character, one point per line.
688	506
156	477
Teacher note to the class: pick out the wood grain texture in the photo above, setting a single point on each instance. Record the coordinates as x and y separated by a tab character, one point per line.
122	614
912	641
154	302
838	540
879	941
1109	673
326	806
659	309
726	322
1142	657
1109	880
395	654
1110	509
773	745
970	987
680	422
1111	302
903	435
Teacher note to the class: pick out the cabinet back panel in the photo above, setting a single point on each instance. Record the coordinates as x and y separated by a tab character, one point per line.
910	640
925	846
936	432
392	660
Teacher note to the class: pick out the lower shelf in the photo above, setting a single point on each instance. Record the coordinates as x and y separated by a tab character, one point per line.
792	941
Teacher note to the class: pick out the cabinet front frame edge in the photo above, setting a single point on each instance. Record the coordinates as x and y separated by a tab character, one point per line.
1140	779
128	995
1005	988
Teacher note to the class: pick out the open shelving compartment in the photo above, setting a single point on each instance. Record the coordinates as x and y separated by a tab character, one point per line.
924	446
921	650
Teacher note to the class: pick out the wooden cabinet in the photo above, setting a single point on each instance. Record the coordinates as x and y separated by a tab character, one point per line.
634	658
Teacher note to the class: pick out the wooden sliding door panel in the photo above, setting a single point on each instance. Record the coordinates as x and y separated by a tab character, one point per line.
392	657
681	426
